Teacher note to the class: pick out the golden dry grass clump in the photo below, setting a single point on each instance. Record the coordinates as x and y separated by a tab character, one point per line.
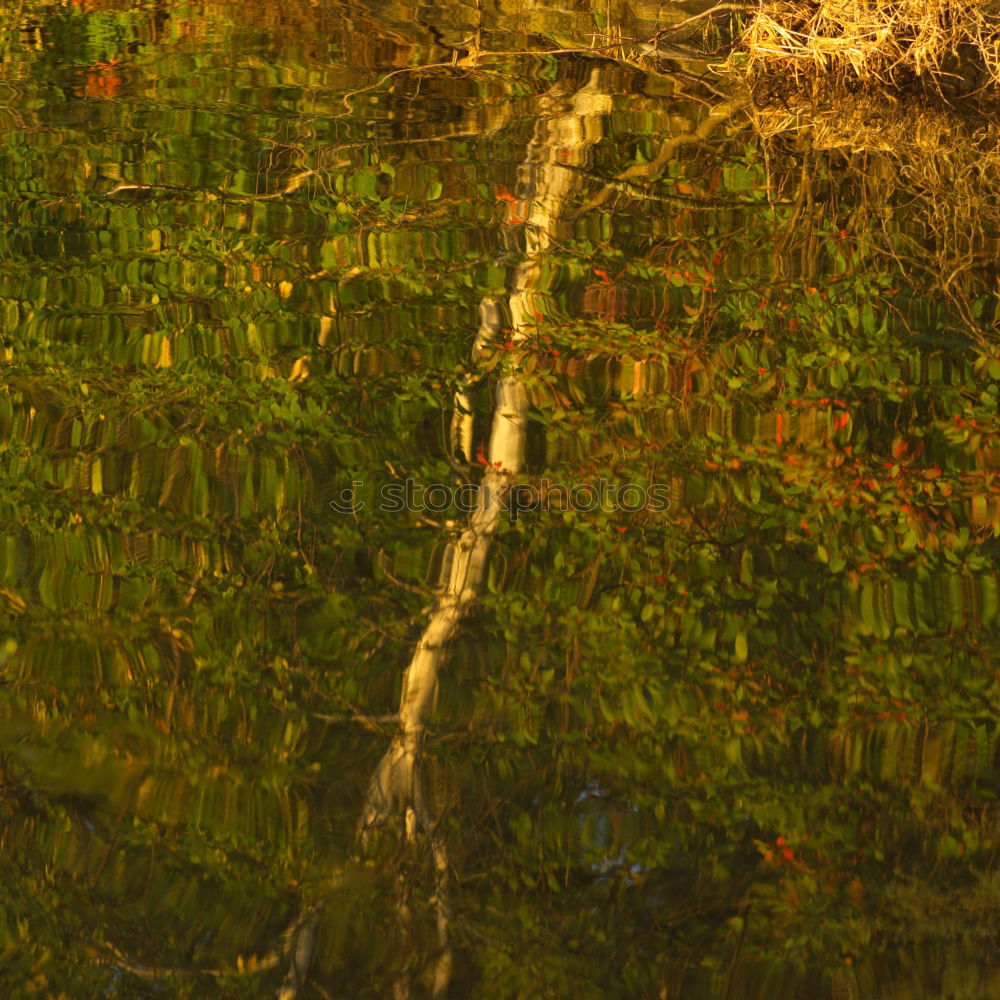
923	183
951	46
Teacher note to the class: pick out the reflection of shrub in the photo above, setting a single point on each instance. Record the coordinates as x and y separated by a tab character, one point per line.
949	45
931	176
102	81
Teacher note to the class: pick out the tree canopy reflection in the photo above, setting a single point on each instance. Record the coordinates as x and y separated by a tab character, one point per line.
743	744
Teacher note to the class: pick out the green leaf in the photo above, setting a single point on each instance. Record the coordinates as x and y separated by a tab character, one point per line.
740	647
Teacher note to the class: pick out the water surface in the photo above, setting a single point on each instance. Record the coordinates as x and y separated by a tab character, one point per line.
673	673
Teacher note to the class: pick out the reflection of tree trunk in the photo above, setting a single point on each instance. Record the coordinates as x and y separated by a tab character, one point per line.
566	131
568	127
564	137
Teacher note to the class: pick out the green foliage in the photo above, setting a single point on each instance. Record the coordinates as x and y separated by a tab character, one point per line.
742	746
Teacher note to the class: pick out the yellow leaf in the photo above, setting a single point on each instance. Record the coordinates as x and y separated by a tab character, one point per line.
14	600
300	370
165	359
325	326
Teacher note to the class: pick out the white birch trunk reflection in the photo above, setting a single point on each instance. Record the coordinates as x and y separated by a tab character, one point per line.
568	126
566	130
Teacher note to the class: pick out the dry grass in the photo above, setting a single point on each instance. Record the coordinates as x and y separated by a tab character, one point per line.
923	183
925	175
950	46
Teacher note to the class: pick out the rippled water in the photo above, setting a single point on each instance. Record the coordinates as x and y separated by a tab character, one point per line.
485	512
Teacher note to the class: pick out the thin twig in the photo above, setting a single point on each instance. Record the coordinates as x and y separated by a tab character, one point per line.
670	29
